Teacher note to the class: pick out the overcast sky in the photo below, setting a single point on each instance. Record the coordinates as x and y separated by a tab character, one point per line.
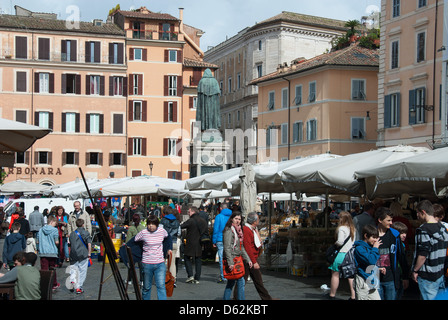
217	18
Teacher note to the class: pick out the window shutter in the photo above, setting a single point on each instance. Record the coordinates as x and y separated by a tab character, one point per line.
130	146
73	53
131	54
120	53
88	54
111	53
412	107
190	102
97	48
131	84
101	123
165	111
88	123
64	84
87	84
50	120
131	110
180	86
36	82
102	84
166	55
179	147
175	111
51	85
111	86
36	118
165	85
50	158
125	86
140	84
63	124
145	54
387	111
63	50
77	122
78	84
165	146
144	146
144	110
179	56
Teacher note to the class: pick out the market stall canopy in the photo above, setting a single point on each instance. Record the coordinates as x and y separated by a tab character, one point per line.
141	185
20	186
268	175
336	176
213	181
17	136
76	189
424	174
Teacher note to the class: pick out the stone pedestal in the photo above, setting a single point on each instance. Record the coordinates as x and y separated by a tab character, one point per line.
208	153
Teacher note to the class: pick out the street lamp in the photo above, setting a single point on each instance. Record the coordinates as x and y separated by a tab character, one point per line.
151	165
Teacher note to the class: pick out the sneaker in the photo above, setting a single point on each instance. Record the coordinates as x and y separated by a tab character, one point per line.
72	287
79	291
196	281
190	280
57	286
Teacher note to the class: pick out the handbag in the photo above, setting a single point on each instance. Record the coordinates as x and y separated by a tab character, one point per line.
238	268
347	269
169	279
333	251
79	235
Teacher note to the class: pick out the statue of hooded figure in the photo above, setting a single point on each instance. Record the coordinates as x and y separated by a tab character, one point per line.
208	109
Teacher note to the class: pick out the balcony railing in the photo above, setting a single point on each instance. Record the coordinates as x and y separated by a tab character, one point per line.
152	35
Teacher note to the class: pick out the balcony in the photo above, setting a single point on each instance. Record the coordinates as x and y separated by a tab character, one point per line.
152	35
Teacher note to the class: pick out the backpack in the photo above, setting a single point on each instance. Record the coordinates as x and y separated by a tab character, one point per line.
347	269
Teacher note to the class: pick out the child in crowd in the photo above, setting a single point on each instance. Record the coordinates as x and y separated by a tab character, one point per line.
30	243
14	243
366	256
403	230
80	248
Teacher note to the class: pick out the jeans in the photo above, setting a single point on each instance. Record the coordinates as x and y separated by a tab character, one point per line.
220	248
430	289
229	286
159	272
387	290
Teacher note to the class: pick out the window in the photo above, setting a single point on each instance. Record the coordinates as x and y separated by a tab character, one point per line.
69	50
395	8
392	110
259	70
21	116
171	147
297	132
421	46
43	157
312	92
285	98
172	85
44	49
70	122
358	128
298	98
172	56
136	30
358	89
21	158
94	158
116	86
394	55
44	119
170	110
229	84
116	53
284	131
271	102
21	47
138	54
166	32
116	159
417	112
136	85
94	123
93	52
20	81
260	45
70	158
311	130
94	84
137	110
271	136
238	81
137	147
118	123
421	3
71	83
44	82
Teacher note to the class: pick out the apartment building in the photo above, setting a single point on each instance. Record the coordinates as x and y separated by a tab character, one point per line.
71	80
410	94
120	96
257	51
326	104
164	66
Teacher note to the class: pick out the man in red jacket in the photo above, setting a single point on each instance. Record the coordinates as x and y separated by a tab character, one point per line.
252	245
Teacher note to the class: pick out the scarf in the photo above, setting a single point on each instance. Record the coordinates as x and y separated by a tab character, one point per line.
257	238
238	232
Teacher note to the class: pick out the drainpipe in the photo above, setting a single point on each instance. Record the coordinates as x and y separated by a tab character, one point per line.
434	77
289	118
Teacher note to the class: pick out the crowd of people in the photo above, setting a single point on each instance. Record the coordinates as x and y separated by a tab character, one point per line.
381	237
46	235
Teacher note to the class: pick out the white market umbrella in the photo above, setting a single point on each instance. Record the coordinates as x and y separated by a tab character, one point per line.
268	175
20	186
136	186
213	181
17	136
76	189
336	176
424	174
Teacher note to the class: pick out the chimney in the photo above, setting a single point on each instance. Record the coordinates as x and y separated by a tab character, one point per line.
181	18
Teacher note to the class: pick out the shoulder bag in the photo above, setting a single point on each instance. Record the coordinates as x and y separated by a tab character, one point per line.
238	268
333	251
79	235
169	279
